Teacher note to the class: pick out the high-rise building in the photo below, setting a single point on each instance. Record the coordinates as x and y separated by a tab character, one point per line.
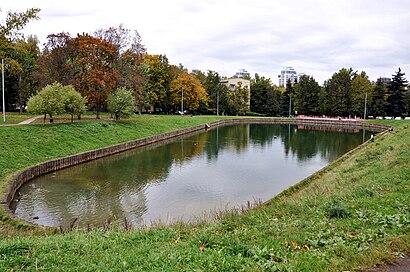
242	73
385	80
287	73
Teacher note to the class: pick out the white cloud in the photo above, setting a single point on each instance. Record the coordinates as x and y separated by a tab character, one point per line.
317	37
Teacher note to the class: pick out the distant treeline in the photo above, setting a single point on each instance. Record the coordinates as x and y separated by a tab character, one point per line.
100	63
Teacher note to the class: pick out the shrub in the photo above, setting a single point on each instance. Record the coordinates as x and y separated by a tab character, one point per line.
336	209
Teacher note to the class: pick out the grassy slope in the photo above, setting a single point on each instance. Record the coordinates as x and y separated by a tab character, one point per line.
290	232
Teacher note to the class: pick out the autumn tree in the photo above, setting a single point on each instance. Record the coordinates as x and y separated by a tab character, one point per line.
158	75
95	75
56	61
122	38
395	95
188	87
131	76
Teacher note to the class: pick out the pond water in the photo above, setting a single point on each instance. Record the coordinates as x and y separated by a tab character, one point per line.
186	177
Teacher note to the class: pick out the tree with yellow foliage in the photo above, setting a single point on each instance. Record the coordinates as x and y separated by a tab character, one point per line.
188	87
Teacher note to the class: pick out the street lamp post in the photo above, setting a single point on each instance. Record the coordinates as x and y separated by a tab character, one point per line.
290	105
182	102
217	103
365	107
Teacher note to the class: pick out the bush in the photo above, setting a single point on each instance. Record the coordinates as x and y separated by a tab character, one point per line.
336	209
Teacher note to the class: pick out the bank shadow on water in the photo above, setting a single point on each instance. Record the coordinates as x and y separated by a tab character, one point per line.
185	177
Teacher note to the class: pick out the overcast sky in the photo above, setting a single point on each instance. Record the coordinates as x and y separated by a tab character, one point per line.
316	37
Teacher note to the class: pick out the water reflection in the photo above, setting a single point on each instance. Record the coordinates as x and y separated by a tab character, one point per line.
185	177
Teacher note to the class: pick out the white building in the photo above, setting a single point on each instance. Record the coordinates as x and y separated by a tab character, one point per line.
287	73
233	82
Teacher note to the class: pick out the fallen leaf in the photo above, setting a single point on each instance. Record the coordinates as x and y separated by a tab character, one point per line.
305	247
176	240
202	247
295	244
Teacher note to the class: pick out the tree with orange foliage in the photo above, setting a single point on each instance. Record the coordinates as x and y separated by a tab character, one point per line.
193	91
95	75
131	68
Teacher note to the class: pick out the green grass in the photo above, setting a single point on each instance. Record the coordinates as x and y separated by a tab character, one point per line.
14	117
292	232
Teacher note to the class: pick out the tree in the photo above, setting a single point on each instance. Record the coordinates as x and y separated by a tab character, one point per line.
26	54
17	55
286	99
216	91
120	37
307	92
121	103
193	93
74	103
158	75
378	104
338	93
95	76
131	71
238	100
265	98
361	88
15	21
395	97
406	100
56	62
50	100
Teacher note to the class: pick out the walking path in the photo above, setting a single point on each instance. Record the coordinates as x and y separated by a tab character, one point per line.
25	122
28	121
400	265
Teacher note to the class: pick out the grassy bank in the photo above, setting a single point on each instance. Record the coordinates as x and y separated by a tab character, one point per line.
15	118
352	215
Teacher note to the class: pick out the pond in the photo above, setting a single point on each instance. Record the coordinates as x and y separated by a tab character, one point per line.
184	178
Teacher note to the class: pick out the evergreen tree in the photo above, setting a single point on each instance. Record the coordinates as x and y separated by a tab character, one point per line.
378	105
395	98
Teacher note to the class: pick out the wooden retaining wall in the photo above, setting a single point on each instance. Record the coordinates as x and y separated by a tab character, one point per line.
57	164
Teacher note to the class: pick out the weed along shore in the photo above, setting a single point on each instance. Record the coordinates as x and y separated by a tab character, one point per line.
351	215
